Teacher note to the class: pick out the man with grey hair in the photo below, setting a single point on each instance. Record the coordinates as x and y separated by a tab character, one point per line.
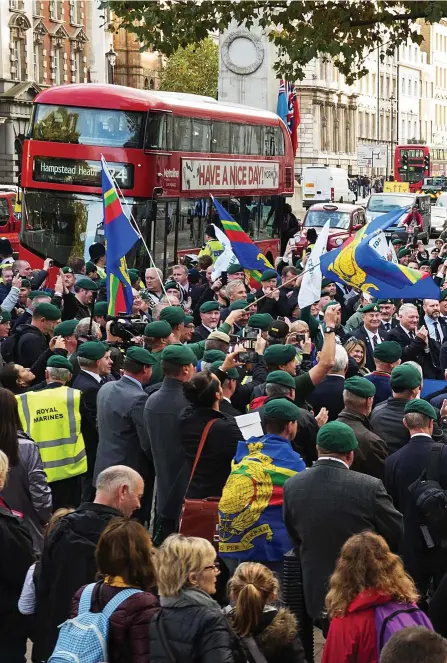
154	279
413	341
68	558
329	393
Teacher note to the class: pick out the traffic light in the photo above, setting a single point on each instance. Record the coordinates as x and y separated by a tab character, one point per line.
404	160
427	162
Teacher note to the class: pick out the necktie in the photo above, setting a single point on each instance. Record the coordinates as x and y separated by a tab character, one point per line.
387	326
437	334
412	334
375	340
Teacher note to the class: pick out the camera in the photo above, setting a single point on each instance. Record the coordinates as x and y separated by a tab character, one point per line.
248	340
126	327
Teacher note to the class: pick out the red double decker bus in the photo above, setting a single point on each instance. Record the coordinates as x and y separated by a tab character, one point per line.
412	163
168	152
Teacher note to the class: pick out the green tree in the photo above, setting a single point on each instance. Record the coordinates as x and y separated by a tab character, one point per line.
342	30
193	69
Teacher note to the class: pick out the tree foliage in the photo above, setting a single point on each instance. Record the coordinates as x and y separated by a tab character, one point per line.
343	30
193	68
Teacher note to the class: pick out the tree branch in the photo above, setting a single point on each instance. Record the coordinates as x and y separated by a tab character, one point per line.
388	18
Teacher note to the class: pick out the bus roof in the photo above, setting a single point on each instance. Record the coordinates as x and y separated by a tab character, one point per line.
91	95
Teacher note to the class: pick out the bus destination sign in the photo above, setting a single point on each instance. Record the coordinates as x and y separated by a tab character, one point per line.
219	175
80	171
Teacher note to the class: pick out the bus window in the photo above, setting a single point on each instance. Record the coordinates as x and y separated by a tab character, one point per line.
201	135
88	126
221	137
270	142
182	134
155	138
279	141
254	139
238	139
4	211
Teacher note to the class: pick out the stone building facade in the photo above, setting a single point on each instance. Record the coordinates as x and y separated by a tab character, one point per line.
133	67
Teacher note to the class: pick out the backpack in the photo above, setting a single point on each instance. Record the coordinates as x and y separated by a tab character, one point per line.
394	616
430	500
9	346
84	638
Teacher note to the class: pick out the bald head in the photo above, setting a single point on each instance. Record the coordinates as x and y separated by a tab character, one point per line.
119	487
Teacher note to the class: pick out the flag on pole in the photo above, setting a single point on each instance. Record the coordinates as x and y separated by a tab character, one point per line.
288	110
226	258
310	289
246	251
120	237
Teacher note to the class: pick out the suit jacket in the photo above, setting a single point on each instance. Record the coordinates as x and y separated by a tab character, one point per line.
328	394
123	438
200	334
227	408
412	348
394	322
362	334
89	388
323	507
401	469
386	419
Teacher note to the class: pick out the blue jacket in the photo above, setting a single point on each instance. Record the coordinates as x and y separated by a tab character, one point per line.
251	525
4	291
381	381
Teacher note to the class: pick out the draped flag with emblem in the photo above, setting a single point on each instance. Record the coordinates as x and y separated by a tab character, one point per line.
120	237
244	249
358	264
288	110
251	524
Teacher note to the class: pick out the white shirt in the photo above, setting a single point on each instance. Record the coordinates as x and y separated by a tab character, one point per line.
339	460
209	328
421	435
406	331
98	378
371	336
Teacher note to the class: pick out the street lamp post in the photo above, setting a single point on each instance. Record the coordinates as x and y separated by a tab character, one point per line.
111	59
392	100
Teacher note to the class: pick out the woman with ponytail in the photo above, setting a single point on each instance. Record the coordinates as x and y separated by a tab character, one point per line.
260	625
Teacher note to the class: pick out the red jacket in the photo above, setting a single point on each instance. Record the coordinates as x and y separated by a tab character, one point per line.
419	221
353	638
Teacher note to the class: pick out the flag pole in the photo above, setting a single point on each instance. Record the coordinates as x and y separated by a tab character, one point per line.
135	226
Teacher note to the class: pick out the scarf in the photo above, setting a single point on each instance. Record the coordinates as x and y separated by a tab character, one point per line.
190	595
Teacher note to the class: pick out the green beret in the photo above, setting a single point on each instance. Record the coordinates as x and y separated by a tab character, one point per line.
172	284
134	276
277	355
331	303
404	377
388	351
403	252
26	283
140	355
101	283
385	301
57	361
234	268
281	408
90	267
175	315
5	316
188	319
260	320
133	271
337	436
158	329
238	305
268	275
87	284
395	242
325	282
251	298
360	387
47	311
443	295
231	374
67	270
421	407
38	293
281	377
424	263
92	350
100	308
207	307
65	328
211	356
370	308
179	354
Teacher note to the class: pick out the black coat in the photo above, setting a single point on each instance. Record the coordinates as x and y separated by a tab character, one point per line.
214	466
89	388
16	552
68	563
412	348
362	334
200	334
30	346
323	507
328	394
197	633
227	408
401	470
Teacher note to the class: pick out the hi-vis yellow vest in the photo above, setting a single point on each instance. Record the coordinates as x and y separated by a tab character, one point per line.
52	418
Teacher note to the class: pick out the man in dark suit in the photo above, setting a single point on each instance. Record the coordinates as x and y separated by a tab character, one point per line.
228	388
437	335
209	316
123	438
329	393
327	504
422	560
95	363
387	312
414	341
370	332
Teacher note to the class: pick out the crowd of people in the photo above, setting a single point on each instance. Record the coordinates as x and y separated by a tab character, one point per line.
134	493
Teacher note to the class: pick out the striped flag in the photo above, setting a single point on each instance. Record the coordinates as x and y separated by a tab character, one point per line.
288	110
120	237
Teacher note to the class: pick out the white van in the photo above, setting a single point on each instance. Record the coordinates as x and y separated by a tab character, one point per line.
325	184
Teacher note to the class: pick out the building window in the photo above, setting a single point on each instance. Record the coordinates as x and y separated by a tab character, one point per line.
55	8
16	5
19	24
37	9
77	74
58	66
37	55
74	12
404	86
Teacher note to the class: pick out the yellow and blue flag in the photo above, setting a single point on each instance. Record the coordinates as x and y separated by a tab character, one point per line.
357	264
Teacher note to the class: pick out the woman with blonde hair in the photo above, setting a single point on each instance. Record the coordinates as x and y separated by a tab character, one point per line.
370	598
190	626
259	624
356	350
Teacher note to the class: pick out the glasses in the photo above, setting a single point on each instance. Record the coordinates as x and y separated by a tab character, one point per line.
215	566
